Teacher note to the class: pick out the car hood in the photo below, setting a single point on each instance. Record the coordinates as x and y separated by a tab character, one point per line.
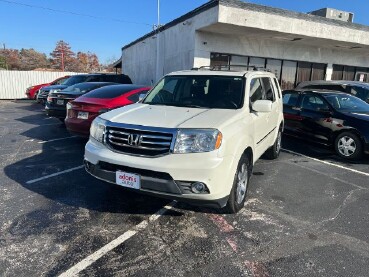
169	116
54	87
359	115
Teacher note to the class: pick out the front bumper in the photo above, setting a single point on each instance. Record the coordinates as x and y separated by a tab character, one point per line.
168	176
80	127
55	111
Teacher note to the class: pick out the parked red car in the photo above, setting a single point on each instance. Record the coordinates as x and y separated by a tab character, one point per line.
31	92
83	110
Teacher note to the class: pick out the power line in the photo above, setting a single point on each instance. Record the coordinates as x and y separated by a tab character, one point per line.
74	13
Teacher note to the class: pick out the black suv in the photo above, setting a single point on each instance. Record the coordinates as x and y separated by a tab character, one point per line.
356	88
82	78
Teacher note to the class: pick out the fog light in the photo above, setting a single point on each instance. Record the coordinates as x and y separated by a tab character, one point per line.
198	187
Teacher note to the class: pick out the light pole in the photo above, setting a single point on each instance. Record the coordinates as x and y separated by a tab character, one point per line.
158	75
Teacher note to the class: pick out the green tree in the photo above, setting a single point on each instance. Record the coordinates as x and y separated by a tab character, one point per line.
63	57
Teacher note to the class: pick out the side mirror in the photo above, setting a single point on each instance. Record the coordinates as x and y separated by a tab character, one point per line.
262	106
141	97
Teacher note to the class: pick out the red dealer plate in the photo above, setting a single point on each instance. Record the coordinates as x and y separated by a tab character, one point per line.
128	180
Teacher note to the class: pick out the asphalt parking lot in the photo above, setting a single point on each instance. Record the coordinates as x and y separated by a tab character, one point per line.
306	215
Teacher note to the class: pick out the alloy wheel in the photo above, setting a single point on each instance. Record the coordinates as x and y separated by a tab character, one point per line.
242	182
346	146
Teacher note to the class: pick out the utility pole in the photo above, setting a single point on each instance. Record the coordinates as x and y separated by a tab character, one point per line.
6	63
158	74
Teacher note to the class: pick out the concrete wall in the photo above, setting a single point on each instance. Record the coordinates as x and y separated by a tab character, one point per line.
254	16
13	84
261	47
177	50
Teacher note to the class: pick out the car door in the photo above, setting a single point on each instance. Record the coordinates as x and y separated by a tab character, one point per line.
274	115
291	112
316	120
260	120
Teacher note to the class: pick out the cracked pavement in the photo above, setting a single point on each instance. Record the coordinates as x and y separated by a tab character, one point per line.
302	218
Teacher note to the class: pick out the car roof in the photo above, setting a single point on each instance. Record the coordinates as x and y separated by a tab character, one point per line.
317	91
322	82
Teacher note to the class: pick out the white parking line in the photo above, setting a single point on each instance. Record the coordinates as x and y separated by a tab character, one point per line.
328	163
54	174
45	141
89	260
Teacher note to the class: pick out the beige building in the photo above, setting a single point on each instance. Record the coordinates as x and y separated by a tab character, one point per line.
295	46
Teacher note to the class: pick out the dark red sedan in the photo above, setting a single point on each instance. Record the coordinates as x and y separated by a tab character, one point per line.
83	110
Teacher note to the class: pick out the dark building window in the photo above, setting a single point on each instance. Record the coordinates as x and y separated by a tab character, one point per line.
219	59
318	71
290	73
289	70
337	72
275	66
303	72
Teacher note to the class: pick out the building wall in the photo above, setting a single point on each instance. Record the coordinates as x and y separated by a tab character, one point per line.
253	46
177	46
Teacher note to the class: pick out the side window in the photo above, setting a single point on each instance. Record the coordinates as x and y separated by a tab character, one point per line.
256	90
290	99
268	88
359	92
170	86
313	103
277	87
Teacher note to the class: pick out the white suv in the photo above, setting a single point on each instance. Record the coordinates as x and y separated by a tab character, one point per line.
195	137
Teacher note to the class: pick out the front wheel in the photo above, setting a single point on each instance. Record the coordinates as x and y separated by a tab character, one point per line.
348	146
238	194
273	152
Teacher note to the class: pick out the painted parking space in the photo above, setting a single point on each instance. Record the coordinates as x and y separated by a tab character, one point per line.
303	217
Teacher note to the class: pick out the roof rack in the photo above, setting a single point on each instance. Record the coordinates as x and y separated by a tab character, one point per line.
229	68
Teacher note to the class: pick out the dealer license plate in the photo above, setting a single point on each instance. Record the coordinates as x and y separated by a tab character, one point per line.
82	115
128	180
60	102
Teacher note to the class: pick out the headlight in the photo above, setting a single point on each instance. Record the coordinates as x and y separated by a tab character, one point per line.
69	106
197	140
97	129
54	90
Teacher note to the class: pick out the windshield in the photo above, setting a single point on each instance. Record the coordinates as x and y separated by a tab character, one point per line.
75	80
347	103
219	92
82	87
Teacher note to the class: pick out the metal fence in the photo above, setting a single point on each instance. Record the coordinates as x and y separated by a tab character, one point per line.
13	84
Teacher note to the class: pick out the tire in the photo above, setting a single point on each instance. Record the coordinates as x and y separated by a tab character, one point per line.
348	146
238	194
273	152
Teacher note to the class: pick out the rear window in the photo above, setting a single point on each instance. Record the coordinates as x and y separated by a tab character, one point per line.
111	91
327	87
119	78
75	80
84	87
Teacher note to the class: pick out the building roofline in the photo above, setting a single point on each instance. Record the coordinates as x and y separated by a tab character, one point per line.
252	7
205	7
293	14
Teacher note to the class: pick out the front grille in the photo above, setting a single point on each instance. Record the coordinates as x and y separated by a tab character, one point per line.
141	142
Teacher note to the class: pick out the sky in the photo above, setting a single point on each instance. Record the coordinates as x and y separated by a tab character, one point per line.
103	27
